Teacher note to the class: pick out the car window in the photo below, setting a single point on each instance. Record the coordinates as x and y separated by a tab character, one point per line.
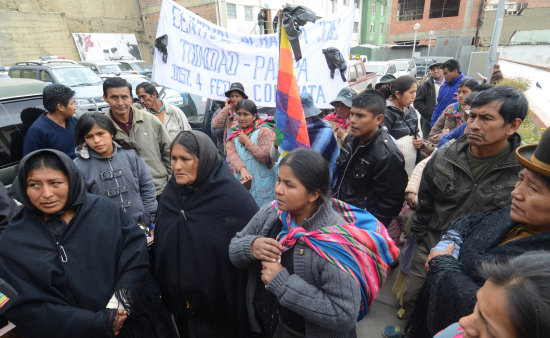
142	66
402	66
125	66
10	125
360	71
75	76
378	69
15	73
352	74
28	74
45	76
391	69
109	69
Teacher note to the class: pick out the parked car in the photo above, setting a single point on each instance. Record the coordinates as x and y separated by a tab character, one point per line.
405	67
103	67
139	66
423	62
381	68
358	78
15	95
88	86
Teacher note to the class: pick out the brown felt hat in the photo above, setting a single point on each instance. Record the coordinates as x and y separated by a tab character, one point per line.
536	156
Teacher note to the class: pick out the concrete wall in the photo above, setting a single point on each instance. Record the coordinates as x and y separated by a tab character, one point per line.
31	28
531	19
538	55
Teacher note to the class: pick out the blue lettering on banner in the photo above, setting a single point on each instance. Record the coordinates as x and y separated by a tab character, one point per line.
190	25
260	64
316	92
301	66
272	68
264	41
181	75
329	30
209	58
218	87
269	91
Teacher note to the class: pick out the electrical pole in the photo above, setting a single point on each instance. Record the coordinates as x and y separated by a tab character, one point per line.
494	39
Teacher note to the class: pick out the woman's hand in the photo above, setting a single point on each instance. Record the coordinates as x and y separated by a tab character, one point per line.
245	175
266	249
434	253
243	138
418	142
228	104
269	270
411	199
121	316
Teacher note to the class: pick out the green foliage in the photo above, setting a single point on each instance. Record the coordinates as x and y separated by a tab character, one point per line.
529	131
520	83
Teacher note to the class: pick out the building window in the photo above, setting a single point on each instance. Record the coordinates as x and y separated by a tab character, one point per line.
373	8
357	4
333	5
248	13
382	28
356	27
345	2
411	9
444	8
382	9
372	27
231	11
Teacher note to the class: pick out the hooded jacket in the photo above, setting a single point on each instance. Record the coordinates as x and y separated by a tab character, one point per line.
123	177
65	279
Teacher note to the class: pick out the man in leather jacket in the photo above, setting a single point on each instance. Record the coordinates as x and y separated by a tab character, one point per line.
371	173
474	174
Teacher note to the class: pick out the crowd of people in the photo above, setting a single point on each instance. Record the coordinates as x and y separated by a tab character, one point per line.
132	224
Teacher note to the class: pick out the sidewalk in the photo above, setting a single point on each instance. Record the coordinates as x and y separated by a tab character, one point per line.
382	312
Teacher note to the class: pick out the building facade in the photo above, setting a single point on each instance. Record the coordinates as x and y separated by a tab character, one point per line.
373	21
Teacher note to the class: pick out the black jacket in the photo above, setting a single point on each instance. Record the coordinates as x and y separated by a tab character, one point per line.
448	190
425	99
450	292
372	176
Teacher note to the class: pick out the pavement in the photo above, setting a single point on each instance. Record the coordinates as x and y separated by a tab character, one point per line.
382	311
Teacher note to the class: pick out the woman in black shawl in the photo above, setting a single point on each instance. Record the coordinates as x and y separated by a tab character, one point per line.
200	210
78	262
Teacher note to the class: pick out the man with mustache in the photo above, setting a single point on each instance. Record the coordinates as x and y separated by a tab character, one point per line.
474	174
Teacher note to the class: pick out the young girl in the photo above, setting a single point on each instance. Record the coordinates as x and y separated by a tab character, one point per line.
113	168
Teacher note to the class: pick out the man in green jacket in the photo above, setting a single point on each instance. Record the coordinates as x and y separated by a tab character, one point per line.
141	128
474	174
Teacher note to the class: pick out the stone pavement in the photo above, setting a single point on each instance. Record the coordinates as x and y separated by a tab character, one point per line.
382	312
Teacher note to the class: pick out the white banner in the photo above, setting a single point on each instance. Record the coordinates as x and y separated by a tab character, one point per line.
205	59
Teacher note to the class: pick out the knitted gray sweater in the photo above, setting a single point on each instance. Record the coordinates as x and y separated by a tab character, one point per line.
327	297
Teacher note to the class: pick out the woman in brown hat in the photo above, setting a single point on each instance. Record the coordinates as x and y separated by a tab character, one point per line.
450	291
224	119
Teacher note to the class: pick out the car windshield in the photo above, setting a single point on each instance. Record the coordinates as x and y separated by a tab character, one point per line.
135	80
378	69
141	66
402	66
76	76
109	69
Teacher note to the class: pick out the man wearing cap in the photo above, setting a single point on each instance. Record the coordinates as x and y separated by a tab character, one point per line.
321	137
427	95
371	169
223	119
338	120
474	174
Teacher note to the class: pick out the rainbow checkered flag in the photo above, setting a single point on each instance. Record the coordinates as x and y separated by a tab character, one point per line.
291	130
